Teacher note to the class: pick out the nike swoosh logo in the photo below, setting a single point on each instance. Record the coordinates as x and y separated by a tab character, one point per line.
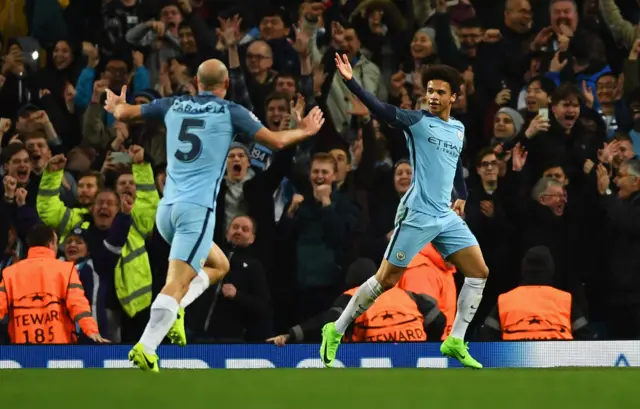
149	364
459	355
472	307
324	355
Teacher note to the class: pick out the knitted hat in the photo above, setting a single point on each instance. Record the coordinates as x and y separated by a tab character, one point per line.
238	145
515	116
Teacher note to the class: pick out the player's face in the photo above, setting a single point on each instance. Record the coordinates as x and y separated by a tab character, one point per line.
488	169
322	173
87	190
240	232
567	112
75	248
558	174
105	209
277	109
439	96
19	166
126	185
237	164
555	198
343	164
503	126
402	178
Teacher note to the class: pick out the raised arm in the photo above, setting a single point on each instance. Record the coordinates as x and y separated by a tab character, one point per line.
117	105
390	114
247	123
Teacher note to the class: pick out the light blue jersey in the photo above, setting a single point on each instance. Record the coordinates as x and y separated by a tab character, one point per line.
434	149
424	214
200	130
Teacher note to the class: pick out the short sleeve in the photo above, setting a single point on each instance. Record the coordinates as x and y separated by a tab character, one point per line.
244	121
406	118
157	108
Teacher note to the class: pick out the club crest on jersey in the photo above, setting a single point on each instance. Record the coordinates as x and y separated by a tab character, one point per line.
202	260
400	255
460	136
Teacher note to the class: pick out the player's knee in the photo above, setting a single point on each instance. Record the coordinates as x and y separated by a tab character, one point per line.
389	277
224	266
481	271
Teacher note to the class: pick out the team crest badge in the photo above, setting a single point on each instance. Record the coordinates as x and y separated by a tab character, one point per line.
460	136
202	262
400	255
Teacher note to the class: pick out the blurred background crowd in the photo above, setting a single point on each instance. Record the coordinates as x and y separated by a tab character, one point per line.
550	102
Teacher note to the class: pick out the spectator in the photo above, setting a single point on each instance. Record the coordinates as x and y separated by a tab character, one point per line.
551	89
236	309
431	275
317	226
621	215
386	321
536	310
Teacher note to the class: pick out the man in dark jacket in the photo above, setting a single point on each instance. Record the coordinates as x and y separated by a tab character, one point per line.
238	308
622	219
244	191
318	224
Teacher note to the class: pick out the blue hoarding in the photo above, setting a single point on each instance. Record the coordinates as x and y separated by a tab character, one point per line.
418	355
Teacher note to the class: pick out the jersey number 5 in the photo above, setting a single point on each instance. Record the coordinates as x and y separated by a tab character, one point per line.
194	140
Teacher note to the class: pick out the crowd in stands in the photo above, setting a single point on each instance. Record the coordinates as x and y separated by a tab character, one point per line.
550	104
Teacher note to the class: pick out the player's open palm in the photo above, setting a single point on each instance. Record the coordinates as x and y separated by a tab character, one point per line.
114	100
312	123
344	66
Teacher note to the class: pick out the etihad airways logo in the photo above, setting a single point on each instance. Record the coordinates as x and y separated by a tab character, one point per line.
445	146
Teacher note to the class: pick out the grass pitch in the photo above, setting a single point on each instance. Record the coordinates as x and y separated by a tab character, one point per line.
569	388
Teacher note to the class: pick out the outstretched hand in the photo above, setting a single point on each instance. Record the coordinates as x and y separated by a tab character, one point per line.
344	66
114	100
312	123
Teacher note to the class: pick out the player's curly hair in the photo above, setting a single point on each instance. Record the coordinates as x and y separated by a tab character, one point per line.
443	73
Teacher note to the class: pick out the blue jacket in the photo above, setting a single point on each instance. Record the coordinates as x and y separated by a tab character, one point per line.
84	88
589	78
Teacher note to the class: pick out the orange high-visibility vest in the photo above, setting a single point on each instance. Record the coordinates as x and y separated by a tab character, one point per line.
535	312
428	273
42	299
394	317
